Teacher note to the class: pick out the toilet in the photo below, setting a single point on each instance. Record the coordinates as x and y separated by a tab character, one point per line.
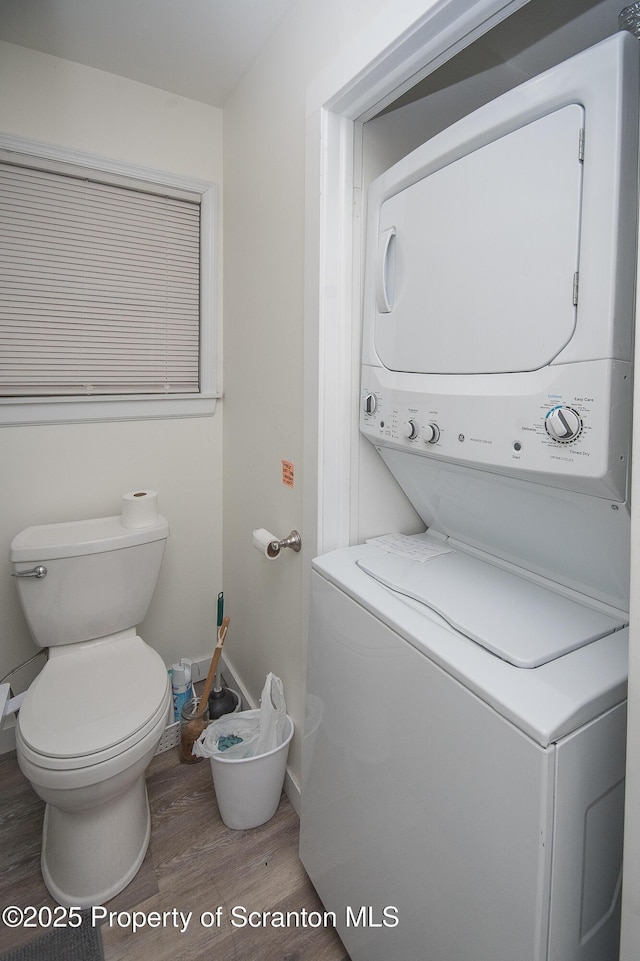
90	723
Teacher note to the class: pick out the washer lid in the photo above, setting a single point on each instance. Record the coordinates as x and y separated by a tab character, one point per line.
87	700
521	622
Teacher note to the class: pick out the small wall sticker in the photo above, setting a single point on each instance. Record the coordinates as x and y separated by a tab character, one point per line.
287	473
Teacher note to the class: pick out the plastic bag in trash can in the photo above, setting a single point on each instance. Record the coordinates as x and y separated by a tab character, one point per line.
261	730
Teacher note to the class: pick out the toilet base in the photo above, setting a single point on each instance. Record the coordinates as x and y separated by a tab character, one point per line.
90	855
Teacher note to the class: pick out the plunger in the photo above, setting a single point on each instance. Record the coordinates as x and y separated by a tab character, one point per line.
222	700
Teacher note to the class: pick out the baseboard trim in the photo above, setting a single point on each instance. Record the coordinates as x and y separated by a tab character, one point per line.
8	735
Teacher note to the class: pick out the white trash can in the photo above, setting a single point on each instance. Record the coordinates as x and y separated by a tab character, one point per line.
248	789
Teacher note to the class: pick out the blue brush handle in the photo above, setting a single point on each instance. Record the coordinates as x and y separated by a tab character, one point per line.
220	609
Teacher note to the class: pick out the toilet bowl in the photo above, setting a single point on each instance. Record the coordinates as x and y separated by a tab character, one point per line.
90	723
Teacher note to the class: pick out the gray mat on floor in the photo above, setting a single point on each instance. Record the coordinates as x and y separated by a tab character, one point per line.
83	943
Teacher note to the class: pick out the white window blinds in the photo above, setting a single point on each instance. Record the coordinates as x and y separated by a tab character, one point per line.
99	286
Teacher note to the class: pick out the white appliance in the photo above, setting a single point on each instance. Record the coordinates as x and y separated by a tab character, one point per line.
89	725
463	763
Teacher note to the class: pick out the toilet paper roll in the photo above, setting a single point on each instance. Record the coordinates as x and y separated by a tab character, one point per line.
139	509
262	540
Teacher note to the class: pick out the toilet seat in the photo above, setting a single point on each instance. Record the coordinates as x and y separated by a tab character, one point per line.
92	702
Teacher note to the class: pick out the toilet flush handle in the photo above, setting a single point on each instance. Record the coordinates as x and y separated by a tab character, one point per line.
39	571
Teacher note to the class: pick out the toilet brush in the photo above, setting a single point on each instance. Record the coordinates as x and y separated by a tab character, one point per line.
215	660
222	700
195	723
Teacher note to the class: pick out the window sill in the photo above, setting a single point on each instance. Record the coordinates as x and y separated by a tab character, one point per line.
22	411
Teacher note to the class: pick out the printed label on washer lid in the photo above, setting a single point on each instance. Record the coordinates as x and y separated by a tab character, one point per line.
411	547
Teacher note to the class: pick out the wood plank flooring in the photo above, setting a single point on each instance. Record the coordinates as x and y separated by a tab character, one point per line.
194	864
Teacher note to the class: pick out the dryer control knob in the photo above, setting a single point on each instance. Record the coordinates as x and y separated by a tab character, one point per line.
410	430
370	404
431	434
563	424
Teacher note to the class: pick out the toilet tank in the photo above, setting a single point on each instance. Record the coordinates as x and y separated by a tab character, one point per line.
100	577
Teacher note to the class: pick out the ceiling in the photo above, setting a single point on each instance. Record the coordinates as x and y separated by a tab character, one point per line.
196	48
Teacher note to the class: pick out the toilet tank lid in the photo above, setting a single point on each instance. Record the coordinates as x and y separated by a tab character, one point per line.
75	538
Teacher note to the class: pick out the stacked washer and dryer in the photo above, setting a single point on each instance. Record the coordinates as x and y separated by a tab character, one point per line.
464	751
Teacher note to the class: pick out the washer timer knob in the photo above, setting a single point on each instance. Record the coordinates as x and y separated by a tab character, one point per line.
563	424
410	430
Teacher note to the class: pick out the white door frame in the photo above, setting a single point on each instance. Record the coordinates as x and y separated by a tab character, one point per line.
397	49
390	55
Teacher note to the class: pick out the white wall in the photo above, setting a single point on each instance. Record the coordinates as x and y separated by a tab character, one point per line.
264	302
68	472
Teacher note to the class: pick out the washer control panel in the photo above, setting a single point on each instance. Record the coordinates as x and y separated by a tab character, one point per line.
567	426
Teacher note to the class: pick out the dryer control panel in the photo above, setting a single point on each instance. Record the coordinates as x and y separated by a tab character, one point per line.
569	428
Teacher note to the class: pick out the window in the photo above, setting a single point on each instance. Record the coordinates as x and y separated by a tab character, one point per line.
106	299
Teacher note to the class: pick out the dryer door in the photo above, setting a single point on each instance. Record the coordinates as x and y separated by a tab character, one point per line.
476	262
